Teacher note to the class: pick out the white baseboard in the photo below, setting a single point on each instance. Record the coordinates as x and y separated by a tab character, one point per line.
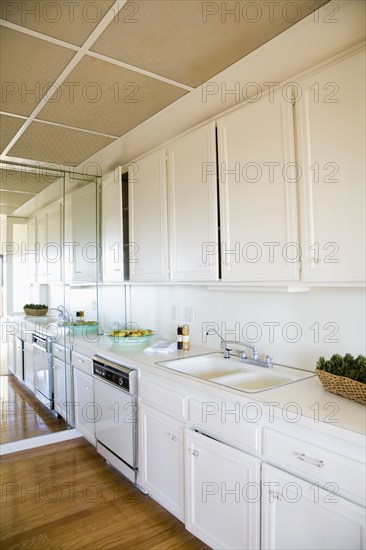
39	441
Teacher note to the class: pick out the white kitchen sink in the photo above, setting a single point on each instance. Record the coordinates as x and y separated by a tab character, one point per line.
233	373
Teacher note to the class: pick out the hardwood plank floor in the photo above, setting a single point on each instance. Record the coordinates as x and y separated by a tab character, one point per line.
64	496
22	415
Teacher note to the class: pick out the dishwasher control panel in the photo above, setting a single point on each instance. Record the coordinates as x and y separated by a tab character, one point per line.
118	375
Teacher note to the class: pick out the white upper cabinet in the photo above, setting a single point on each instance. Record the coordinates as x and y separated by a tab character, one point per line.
192	200
147	205
31	255
49	244
331	137
86	253
112	231
258	209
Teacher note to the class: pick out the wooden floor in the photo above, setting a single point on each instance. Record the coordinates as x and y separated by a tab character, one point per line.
22	415
64	496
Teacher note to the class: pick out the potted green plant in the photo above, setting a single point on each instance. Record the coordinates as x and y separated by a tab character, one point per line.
345	376
35	310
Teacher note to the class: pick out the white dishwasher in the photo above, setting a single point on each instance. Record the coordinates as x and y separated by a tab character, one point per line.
115	402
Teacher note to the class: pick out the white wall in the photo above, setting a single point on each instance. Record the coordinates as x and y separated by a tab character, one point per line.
337	316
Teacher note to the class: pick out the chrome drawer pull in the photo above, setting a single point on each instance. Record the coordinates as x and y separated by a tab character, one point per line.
304	458
195	453
173	437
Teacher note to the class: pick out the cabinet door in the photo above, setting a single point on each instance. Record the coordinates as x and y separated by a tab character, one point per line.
31	255
85	410
259	240
18	356
331	118
10	339
112	232
59	380
49	238
298	514
148	246
28	366
54	243
162	469
42	266
84	233
222	494
193	220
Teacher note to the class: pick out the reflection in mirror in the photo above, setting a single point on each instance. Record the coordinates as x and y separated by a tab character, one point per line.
51	256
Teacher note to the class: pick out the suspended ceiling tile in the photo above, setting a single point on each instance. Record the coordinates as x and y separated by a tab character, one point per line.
54	144
103	97
17	199
68	21
19	178
191	41
9	126
7	209
28	66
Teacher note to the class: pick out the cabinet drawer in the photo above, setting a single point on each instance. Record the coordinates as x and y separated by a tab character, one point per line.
316	463
82	362
164	399
62	353
227	420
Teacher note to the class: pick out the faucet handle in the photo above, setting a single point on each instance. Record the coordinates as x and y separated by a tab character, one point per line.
269	360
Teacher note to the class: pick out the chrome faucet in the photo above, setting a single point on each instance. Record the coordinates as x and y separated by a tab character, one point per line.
242	355
62	312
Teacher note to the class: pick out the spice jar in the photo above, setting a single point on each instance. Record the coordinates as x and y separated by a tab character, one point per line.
179	337
186	338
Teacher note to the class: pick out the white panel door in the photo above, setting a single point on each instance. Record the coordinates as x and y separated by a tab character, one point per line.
193	219
331	118
85	234
298	515
222	494
54	243
162	457
259	240
148	243
112	233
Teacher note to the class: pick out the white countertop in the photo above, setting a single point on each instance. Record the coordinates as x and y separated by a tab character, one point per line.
307	396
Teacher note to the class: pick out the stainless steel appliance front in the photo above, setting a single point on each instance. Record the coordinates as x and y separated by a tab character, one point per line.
43	371
115	393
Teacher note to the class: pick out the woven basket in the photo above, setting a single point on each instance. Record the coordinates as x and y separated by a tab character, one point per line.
35	312
351	389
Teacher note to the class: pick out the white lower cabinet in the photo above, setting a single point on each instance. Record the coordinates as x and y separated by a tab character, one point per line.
86	410
300	515
222	493
84	405
162	459
28	366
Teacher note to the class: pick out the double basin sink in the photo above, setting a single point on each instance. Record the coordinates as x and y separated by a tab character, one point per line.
233	373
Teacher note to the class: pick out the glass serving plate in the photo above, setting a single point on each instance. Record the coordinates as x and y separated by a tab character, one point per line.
131	337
